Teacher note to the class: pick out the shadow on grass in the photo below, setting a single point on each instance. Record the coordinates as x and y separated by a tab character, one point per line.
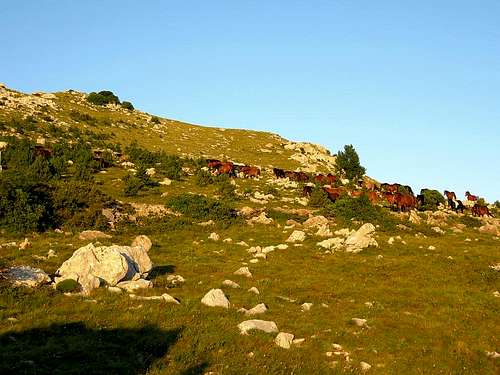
75	349
160	271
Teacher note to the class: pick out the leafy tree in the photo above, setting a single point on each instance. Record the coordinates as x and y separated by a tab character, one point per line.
347	164
103	98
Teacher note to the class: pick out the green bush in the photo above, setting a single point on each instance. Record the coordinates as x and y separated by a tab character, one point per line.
170	166
347	164
347	209
225	189
201	208
127	105
319	198
68	286
132	185
155	120
203	178
103	98
432	199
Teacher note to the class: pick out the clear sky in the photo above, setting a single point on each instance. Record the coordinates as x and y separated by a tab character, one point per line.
413	85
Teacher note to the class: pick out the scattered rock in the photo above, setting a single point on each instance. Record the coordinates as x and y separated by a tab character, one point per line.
364	366
306	306
25	244
166	182
359	322
297	236
26	276
175	280
214	236
91	235
230	284
284	340
164	297
261	325
414	218
361	239
431	247
253	290
258	309
495	267
243	271
315	222
438	230
261	219
215	298
323	231
493	355
134	285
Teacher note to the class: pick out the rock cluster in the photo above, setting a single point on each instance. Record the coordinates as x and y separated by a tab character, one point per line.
351	242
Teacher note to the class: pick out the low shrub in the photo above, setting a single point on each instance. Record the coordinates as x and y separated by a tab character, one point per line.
202	208
319	198
203	178
82	117
347	209
68	286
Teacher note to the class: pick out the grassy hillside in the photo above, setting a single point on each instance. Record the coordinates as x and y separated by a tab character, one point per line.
429	296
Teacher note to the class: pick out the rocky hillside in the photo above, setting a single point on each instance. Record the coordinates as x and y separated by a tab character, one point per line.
66	114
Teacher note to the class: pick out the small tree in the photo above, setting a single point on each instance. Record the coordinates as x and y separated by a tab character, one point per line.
128	105
347	164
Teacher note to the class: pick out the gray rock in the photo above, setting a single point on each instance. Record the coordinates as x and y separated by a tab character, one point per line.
26	276
360	239
261	325
258	309
243	271
297	236
230	284
132	286
284	340
142	241
215	298
91	235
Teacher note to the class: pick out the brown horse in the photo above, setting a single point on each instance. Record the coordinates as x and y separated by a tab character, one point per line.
250	171
405	201
450	195
333	193
225	168
471	197
480	211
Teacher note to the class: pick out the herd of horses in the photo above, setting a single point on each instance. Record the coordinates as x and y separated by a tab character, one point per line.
398	197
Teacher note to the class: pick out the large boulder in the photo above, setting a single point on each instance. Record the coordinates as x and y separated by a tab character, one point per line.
26	276
89	265
284	340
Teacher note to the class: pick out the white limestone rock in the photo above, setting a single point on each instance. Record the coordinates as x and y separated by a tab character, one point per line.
215	298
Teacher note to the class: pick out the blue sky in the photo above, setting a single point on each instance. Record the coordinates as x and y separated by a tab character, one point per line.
414	86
